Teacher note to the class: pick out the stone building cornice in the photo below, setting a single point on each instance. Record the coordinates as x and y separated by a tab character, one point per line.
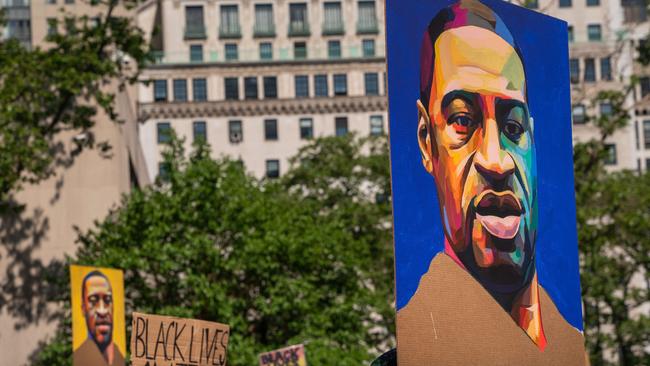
266	107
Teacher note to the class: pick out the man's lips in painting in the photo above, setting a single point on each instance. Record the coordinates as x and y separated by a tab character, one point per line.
103	326
499	213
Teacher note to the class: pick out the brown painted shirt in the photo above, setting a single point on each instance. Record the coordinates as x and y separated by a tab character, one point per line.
88	354
453	320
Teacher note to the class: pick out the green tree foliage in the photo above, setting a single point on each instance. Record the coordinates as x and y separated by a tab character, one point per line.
278	262
614	242
59	88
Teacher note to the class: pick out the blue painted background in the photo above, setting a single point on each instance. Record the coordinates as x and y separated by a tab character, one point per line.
543	42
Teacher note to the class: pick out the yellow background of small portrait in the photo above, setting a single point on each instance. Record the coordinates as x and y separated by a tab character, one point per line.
79	330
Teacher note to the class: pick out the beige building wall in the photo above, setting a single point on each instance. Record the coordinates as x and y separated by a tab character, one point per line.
76	196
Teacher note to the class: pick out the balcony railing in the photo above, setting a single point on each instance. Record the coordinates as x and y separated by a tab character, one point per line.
195	32
230	32
299	30
367	28
285	54
333	30
262	32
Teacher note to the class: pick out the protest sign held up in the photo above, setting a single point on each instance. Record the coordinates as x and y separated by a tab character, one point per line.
168	341
289	356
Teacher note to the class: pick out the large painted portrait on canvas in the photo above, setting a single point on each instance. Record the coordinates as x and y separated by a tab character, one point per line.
485	237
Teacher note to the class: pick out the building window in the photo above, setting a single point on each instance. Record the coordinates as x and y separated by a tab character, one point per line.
605	109
341	126
52	26
266	51
232	88
532	4
340	84
610	158
306	128
298	23
250	87
368	46
647	165
372	83
160	90
300	50
333	19
334	49
196	53
579	115
646	134
164	132
180	90
593	2
634	11
199	130
565	3
270	87
594	32
200	90
302	86
645	85
376	125
636	134
606	69
273	169
232	53
235	132
163	171
264	24
367	23
229	27
574	68
590	70
270	129
320	86
194	25
570	31
70	26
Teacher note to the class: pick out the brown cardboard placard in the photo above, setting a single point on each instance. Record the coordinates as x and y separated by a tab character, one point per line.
288	356
170	341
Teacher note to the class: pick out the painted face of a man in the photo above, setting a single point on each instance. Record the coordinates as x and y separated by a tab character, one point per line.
476	138
98	309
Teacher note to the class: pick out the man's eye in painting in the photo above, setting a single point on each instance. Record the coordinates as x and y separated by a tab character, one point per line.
93	299
513	129
108	299
462	122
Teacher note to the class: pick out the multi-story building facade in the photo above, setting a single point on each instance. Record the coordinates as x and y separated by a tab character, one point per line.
602	39
258	79
18	21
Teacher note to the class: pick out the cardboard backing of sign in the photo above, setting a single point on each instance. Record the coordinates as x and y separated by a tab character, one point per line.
170	341
289	356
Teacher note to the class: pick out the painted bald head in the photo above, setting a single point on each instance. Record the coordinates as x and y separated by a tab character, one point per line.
476	139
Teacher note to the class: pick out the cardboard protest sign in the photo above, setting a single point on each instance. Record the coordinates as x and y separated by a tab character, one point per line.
168	341
98	335
289	356
486	258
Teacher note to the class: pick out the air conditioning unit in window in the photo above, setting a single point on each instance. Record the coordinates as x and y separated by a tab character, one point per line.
236	137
